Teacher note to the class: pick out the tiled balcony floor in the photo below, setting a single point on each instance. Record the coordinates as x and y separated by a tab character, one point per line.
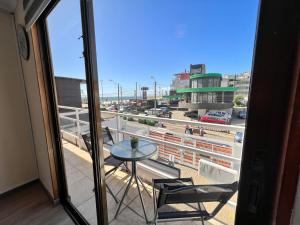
79	174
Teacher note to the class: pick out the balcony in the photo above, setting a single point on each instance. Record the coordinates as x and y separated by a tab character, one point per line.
208	160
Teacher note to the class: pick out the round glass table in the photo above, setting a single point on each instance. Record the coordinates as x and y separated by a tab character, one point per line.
123	151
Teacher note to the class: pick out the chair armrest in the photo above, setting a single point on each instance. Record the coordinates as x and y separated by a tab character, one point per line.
160	183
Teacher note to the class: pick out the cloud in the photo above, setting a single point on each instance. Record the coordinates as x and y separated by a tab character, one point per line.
180	31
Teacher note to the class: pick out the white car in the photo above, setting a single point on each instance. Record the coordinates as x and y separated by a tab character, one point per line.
154	112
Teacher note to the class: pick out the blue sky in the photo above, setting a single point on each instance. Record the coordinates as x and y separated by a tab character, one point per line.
139	38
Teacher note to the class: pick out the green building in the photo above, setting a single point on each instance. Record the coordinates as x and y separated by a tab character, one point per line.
206	93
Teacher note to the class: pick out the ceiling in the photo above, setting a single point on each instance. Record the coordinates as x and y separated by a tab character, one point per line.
8	5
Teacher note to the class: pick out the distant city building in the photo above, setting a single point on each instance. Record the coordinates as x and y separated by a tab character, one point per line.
68	91
144	92
241	82
180	80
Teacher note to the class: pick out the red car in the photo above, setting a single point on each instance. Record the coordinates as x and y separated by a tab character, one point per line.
214	119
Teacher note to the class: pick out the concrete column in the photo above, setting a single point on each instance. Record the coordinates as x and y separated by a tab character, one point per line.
223	97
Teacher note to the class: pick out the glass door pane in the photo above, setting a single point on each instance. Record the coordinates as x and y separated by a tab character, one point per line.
64	26
145	46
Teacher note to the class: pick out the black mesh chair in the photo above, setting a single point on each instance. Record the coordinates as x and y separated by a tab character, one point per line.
183	191
109	160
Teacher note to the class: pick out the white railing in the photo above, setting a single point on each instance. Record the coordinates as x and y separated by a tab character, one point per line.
122	131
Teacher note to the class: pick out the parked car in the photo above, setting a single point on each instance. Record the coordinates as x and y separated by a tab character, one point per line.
242	114
162	106
219	113
214	119
161	112
238	137
165	108
153	111
191	114
165	114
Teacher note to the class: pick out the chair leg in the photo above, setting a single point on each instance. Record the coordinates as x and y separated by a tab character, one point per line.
154	205
110	172
138	188
126	167
202	220
199	207
112	194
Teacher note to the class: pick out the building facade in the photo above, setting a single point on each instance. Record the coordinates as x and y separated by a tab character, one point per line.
241	82
144	92
180	80
68	91
207	93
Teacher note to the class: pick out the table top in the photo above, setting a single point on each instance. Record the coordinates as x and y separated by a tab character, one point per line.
123	151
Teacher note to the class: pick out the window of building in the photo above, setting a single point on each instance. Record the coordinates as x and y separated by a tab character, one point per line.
204	97
194	83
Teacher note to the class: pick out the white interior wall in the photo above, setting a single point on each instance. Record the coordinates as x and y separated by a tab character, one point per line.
17	157
35	109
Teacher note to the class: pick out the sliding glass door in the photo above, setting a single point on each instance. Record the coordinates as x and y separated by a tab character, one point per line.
247	150
69	43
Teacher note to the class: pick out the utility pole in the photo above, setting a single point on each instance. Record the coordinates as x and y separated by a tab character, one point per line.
140	92
121	94
101	81
117	83
152	77
136	93
155	96
118	94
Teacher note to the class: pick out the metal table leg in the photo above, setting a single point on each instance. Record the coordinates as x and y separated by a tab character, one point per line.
125	193
138	187
136	180
144	186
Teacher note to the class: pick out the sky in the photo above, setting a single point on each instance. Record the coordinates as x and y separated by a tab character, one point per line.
137	39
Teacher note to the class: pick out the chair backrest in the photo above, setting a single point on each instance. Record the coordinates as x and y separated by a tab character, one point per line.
177	194
87	141
107	139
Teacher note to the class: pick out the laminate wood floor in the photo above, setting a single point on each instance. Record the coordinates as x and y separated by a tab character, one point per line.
31	206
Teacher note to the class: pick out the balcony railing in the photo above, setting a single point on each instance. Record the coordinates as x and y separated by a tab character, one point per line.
198	153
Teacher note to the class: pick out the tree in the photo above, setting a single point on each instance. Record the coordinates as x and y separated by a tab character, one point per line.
239	101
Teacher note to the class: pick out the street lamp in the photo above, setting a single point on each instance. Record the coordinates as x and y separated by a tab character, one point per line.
116	83
101	82
152	77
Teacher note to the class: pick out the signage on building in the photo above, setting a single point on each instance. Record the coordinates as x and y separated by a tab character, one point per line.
197	68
